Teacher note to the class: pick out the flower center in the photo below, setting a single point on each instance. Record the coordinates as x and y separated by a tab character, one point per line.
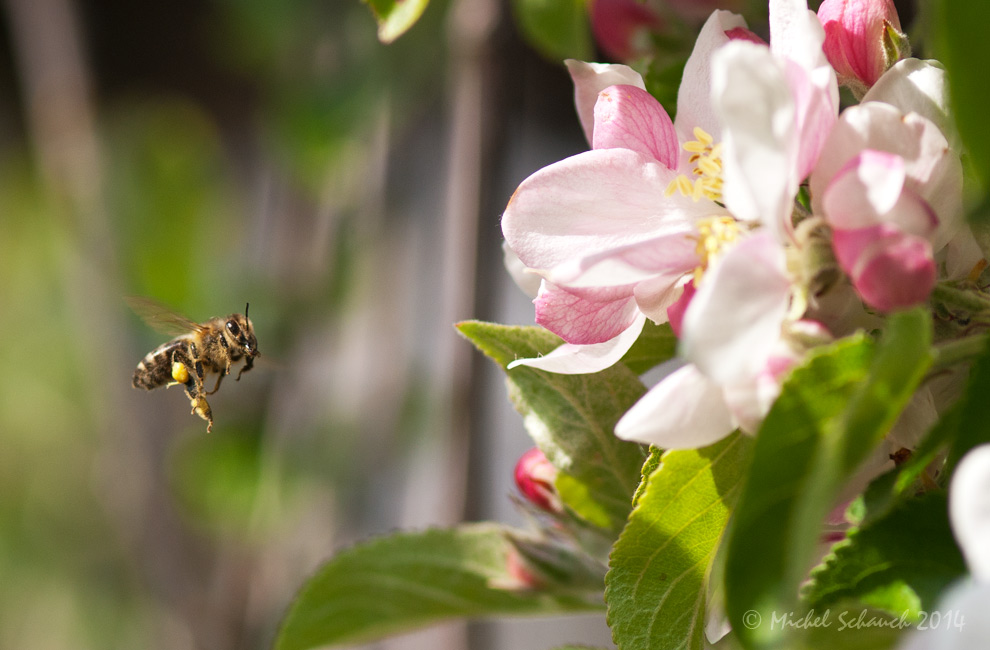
714	235
706	156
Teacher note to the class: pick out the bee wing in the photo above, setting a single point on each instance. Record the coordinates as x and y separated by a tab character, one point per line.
161	318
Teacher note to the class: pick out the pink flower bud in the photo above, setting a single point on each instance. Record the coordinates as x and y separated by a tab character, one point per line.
535	477
863	39
889	268
620	26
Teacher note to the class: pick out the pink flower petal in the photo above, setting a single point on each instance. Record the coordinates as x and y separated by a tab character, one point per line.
592	78
685	410
569	359
675	313
627	117
867	186
585	316
889	268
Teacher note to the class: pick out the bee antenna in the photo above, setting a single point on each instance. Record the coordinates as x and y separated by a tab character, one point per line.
246	305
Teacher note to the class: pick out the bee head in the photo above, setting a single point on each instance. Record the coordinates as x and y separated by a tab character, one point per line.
240	333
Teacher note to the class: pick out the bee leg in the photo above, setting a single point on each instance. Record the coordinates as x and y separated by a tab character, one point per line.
198	367
220	377
202	408
247	366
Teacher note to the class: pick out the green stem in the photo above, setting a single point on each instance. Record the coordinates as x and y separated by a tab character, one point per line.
969	300
953	352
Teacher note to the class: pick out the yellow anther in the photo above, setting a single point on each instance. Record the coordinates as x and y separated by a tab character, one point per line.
706	157
703	136
714	234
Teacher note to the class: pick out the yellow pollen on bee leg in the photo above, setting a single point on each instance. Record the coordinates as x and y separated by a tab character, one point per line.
180	373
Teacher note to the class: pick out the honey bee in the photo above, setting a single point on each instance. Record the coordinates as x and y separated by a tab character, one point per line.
197	350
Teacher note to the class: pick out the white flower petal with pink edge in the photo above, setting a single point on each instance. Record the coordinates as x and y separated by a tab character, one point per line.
870	190
969	510
734	320
585	316
577	213
685	410
759	154
524	277
916	86
694	105
627	117
668	255
932	169
570	359
592	78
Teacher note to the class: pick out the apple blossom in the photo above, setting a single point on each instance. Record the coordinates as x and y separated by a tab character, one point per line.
613	246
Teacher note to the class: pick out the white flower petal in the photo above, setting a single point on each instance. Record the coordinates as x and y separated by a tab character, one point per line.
524	277
916	86
759	138
733	322
592	78
684	411
969	509
582	359
694	95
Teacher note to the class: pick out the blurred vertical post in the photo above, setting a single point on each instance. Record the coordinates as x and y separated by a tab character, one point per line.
470	27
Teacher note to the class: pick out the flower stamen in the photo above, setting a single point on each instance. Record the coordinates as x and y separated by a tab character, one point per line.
715	234
707	159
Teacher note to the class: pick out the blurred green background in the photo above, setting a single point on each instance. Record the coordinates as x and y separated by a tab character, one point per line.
208	153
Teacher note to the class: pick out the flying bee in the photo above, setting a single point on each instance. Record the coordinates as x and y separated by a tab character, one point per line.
197	350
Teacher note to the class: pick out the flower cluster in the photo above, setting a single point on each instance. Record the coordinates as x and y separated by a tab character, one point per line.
763	220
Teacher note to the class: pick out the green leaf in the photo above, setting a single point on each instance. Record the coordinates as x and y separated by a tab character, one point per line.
395	17
657	584
830	415
571	418
974	423
898	563
558	29
655	345
401	582
962	45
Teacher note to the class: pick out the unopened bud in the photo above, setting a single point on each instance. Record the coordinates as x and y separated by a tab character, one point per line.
539	562
622	27
535	476
863	39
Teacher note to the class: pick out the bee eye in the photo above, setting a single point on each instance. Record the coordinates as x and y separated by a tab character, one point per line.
233	328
